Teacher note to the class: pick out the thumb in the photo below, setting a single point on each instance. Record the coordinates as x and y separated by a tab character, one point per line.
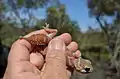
55	60
56	50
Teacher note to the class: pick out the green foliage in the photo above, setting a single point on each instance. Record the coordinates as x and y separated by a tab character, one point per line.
22	7
30	4
101	8
59	19
2	7
20	2
93	41
104	7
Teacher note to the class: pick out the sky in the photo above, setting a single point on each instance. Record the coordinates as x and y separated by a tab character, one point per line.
78	11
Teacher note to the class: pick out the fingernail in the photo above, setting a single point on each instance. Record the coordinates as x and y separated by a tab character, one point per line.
56	44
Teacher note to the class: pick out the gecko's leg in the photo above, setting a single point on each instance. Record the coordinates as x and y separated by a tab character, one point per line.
46	26
50	32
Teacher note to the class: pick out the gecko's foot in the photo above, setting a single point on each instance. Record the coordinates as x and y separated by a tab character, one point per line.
46	26
50	32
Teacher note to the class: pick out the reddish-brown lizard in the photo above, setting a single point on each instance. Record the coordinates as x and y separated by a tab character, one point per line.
40	42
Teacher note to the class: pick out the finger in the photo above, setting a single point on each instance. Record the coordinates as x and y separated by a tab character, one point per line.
72	54
37	59
66	37
77	54
55	60
72	59
19	51
72	47
28	75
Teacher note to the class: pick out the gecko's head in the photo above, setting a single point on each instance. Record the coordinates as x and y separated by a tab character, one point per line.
84	66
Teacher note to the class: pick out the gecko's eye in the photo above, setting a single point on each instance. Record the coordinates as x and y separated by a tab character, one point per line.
87	69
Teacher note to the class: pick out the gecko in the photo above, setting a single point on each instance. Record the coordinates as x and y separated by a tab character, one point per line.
40	42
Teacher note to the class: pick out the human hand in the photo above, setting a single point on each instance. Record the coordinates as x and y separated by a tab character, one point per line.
23	64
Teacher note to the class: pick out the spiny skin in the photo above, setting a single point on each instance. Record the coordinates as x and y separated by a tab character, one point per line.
39	42
38	39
